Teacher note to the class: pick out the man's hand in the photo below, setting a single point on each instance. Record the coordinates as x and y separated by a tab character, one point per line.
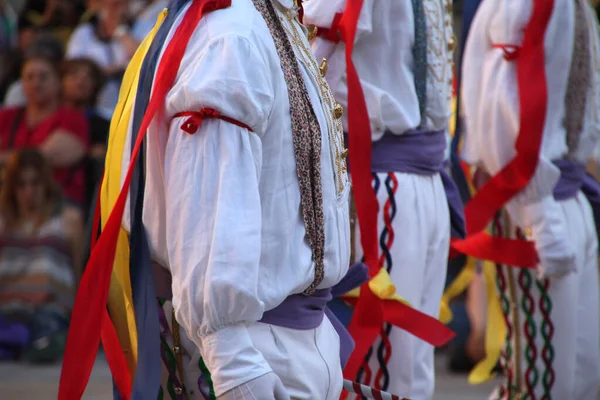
265	387
544	223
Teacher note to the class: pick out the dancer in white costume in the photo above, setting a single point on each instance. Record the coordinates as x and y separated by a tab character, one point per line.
552	349
403	55
245	207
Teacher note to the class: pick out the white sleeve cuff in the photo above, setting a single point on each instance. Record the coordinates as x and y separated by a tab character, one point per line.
231	358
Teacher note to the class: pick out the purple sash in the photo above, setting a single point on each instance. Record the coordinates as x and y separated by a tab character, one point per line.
422	153
573	178
297	311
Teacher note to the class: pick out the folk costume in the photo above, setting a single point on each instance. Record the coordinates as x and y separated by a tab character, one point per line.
234	213
531	103
403	56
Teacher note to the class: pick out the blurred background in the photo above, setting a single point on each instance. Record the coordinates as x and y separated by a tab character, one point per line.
61	65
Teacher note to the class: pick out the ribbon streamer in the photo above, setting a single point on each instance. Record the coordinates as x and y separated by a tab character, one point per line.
369	392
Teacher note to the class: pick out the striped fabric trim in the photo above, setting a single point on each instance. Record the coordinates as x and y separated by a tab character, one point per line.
531	302
505	300
547	333
386	241
35	272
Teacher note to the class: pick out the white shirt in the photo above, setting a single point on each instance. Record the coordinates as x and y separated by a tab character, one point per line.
85	43
222	206
492	111
384	61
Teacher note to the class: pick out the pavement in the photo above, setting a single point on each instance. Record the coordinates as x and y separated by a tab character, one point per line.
25	382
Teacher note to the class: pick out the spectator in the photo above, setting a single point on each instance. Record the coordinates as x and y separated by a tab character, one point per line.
37	280
46	45
59	17
8	43
92	8
82	81
107	40
8	27
61	133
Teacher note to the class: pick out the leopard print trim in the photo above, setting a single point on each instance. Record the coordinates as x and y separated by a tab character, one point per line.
306	133
579	81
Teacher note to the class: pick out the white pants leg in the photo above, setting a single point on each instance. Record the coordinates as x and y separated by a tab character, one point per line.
414	227
306	361
553	348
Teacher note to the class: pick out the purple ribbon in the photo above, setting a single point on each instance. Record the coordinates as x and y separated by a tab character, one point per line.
14	338
421	153
573	178
297	311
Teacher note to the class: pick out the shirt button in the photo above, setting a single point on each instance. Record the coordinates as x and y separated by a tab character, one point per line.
312	32
338	111
451	44
324	67
178	390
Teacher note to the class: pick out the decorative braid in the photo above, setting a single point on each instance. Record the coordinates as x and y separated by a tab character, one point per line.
206	375
507	353
529	329
384	354
170	363
386	241
365	369
547	332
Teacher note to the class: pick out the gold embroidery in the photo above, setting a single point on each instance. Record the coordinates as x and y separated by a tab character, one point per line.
334	124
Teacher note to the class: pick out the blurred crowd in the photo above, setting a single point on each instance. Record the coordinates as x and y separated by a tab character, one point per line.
61	65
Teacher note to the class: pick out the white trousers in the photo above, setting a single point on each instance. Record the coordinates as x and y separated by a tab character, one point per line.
553	346
414	228
306	361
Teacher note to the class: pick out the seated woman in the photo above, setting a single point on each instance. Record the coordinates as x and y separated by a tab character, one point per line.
107	39
37	280
82	81
61	133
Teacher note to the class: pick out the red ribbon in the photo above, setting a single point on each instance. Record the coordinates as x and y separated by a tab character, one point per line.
514	177
195	118
371	312
90	320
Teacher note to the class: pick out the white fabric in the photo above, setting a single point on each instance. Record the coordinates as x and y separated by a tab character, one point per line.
384	62
290	354
267	386
574	315
491	107
85	43
14	95
418	257
222	206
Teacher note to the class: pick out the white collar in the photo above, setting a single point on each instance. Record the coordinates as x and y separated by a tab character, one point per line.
287	4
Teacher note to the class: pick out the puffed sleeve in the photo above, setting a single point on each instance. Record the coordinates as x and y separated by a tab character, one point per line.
213	207
322	13
492	116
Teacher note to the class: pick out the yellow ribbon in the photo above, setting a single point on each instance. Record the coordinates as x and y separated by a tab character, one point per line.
120	300
496	330
458	286
382	286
